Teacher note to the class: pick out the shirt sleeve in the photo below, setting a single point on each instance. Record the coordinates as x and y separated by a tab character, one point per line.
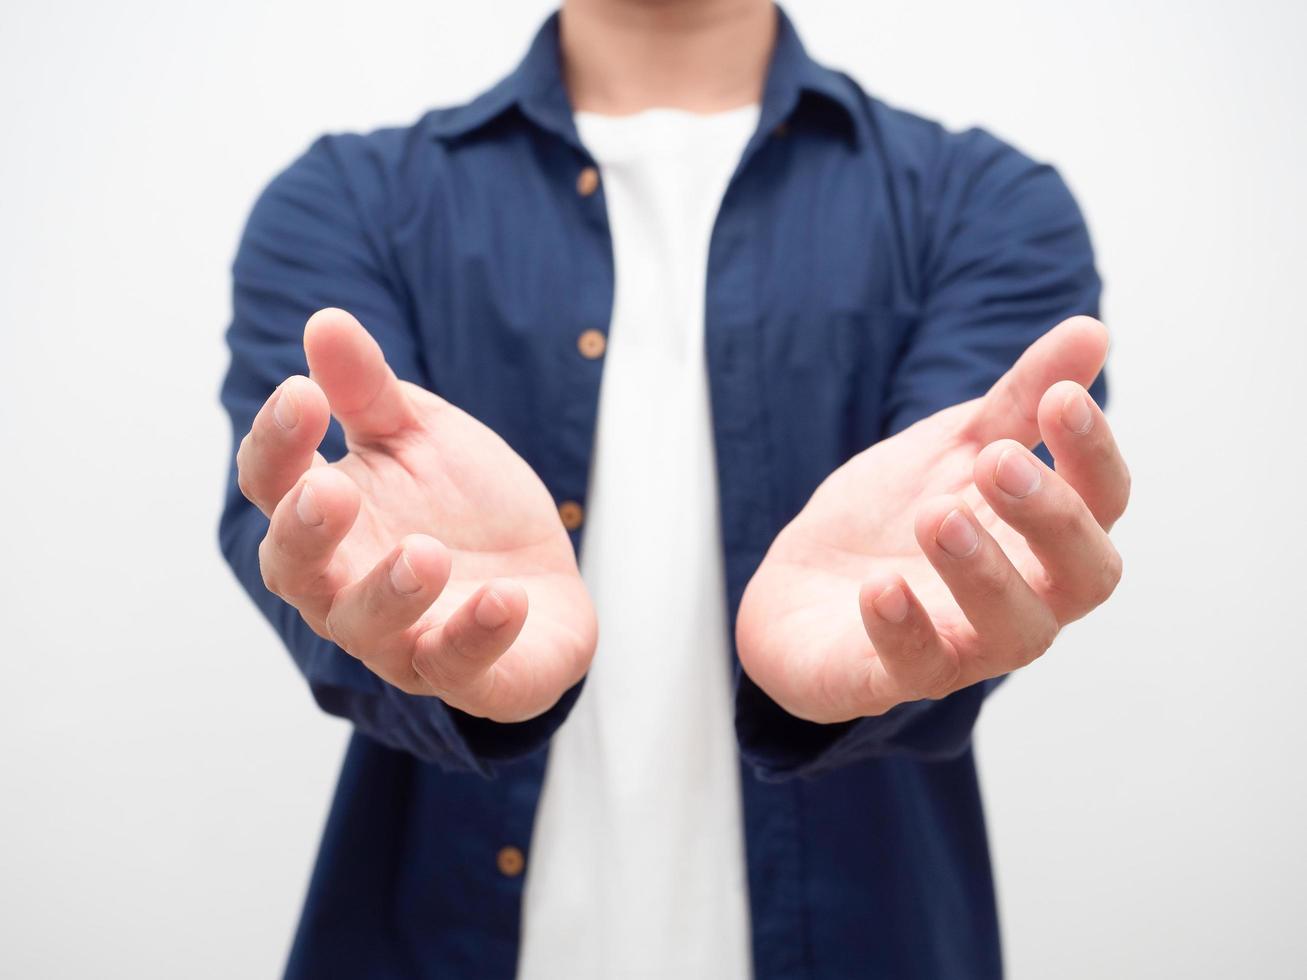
314	240
1006	256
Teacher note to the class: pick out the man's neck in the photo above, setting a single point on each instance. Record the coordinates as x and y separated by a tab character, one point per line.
624	56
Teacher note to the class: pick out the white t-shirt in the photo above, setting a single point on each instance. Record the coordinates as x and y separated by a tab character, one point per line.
637	860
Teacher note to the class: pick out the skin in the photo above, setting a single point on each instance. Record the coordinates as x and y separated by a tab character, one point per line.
422	550
624	56
433	553
949	553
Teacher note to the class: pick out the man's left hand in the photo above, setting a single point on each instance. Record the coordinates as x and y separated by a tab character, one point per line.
949	553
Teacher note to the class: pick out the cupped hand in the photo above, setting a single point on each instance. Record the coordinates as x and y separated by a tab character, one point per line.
431	552
949	553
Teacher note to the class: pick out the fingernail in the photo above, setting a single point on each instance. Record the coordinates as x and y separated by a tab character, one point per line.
491	612
402	576
1076	414
892	605
1015	474
307	507
284	409
957	536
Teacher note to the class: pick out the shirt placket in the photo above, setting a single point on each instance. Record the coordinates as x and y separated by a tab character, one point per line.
733	348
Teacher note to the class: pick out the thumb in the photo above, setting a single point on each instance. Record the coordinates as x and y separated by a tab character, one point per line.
1074	350
349	366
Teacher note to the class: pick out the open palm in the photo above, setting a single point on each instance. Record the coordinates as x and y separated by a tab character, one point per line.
947	554
431	551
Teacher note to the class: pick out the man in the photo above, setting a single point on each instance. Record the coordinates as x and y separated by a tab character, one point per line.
810	449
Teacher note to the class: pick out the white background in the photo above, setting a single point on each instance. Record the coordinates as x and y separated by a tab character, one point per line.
163	773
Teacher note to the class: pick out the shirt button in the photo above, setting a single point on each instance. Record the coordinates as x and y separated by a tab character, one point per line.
510	861
587	181
571	514
591	344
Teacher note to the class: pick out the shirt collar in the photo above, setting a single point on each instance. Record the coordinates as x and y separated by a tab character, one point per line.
536	89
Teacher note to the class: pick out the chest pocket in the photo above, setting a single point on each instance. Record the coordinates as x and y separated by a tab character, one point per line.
826	378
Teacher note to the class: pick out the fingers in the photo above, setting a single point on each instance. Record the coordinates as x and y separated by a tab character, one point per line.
379	620
1080	565
1073	350
297	556
916	661
282	442
368	618
1012	623
363	391
1085	451
457	659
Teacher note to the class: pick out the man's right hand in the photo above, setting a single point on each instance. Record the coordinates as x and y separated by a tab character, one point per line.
421	550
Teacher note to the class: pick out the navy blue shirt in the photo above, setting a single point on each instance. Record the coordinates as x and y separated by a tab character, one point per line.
867	268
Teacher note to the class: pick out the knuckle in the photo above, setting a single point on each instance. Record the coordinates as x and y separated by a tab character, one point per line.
1038	638
374	603
1049	635
917	643
267	568
926	669
1066	521
942	679
989	582
1121	498
340	633
1026	654
1109	576
430	667
247	452
459	642
244	484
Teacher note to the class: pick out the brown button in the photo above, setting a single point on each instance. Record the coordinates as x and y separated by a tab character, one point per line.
510	861
587	181
591	344
571	514
782	129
